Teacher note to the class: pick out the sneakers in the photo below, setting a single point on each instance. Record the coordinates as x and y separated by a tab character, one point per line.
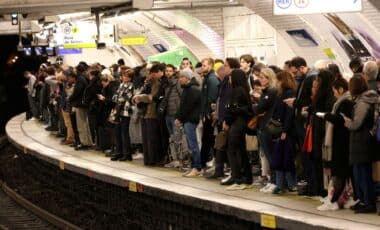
227	181
235	187
172	164
261	180
328	206
268	188
193	173
350	203
210	163
138	156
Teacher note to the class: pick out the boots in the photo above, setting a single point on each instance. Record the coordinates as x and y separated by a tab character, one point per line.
126	157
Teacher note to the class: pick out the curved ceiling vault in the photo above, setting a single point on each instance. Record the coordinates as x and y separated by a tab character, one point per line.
369	17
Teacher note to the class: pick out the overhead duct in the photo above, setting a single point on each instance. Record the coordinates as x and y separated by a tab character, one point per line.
179	5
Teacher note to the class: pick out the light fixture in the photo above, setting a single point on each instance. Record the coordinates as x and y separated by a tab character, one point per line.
14	19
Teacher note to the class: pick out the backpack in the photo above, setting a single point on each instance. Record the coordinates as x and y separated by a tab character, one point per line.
375	130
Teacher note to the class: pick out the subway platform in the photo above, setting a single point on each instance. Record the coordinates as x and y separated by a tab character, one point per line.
281	211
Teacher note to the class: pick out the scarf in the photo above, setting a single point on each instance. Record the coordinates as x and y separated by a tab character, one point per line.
327	145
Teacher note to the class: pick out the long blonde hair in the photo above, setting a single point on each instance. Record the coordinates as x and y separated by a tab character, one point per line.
270	75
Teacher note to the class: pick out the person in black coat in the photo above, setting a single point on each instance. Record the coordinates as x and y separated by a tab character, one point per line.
90	100
238	113
335	146
264	109
283	156
188	115
322	101
105	130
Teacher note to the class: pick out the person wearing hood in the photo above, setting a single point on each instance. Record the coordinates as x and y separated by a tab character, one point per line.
361	143
188	115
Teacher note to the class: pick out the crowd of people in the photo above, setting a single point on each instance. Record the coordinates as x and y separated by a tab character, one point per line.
294	128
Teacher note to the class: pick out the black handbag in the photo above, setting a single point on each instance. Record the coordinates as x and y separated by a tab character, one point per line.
274	127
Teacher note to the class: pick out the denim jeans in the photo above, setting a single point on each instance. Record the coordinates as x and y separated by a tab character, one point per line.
170	124
289	176
191	137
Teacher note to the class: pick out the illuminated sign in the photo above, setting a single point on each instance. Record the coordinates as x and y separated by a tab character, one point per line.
132	41
79	45
292	7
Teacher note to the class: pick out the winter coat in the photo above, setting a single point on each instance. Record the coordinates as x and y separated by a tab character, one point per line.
190	106
107	105
319	125
209	92
90	95
123	98
151	111
265	106
340	139
361	141
174	98
238	106
76	98
224	94
284	113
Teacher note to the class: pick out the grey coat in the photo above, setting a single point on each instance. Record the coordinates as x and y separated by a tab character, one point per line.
361	141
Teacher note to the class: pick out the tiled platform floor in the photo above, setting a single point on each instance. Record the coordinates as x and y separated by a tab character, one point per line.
290	211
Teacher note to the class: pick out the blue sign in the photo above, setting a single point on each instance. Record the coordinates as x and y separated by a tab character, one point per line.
62	51
284	4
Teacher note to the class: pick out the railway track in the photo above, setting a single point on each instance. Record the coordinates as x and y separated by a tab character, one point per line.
18	213
12	216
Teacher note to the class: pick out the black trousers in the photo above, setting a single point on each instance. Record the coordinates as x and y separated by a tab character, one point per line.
208	140
237	154
152	143
75	128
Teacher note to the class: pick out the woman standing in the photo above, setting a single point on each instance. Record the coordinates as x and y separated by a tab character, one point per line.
283	155
235	121
123	104
361	143
335	147
264	109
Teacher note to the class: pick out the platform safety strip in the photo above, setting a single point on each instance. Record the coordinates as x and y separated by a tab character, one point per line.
268	221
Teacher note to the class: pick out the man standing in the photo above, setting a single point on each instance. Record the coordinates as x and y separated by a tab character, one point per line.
209	95
33	112
188	115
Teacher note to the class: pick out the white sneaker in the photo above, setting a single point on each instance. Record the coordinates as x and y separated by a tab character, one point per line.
324	199
350	202
236	187
261	180
268	188
138	156
211	163
225	179
264	188
328	206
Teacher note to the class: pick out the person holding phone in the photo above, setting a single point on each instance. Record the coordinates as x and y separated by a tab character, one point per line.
361	143
335	147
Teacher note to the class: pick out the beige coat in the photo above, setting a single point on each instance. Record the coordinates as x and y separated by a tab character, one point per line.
151	112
